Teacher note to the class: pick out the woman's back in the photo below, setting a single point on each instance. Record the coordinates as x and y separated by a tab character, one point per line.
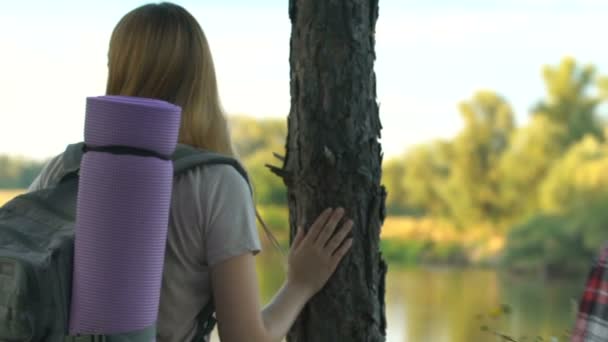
212	219
159	51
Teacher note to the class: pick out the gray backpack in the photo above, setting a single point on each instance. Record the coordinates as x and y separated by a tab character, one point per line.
36	254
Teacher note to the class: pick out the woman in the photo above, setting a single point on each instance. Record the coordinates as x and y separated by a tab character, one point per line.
159	51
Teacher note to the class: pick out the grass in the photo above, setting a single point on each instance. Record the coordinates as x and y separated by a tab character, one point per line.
8	194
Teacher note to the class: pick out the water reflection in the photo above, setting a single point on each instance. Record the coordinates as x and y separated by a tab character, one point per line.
451	305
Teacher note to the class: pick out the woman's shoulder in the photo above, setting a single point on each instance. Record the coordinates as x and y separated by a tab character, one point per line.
219	201
214	179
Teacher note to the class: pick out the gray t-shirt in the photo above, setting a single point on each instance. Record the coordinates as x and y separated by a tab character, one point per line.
212	219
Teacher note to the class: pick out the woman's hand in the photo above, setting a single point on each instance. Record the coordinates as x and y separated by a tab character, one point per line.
314	256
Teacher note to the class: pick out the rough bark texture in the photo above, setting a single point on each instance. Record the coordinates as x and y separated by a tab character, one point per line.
334	159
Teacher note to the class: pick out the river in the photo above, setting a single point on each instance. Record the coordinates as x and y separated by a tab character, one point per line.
453	305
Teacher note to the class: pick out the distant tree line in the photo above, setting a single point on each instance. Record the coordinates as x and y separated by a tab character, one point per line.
543	183
18	172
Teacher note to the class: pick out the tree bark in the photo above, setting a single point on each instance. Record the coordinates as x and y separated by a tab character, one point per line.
334	159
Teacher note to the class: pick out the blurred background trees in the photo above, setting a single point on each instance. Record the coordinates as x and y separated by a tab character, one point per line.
540	187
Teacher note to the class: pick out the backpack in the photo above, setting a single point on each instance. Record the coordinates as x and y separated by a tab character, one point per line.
36	256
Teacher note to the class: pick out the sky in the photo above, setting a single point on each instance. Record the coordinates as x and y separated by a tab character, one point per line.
431	54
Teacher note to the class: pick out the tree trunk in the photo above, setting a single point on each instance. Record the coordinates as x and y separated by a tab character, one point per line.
334	159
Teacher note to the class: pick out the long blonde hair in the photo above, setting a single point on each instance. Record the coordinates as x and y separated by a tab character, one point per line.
160	51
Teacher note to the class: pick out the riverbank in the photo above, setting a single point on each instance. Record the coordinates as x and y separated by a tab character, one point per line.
407	241
412	241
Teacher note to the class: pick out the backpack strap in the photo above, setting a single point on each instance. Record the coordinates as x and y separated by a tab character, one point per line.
184	159
206	322
187	157
71	161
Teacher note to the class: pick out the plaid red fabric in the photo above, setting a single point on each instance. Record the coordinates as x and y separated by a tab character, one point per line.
592	319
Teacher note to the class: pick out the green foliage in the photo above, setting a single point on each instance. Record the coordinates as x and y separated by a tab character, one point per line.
269	188
577	178
474	179
559	244
393	172
427	169
602	85
251	135
403	252
543	244
524	165
590	220
568	102
412	252
545	183
18	173
495	173
256	141
446	253
573	197
277	220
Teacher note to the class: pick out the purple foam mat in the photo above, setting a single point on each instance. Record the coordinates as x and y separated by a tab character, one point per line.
132	121
121	228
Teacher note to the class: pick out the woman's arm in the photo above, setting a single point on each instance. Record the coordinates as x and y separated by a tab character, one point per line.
312	259
239	313
283	310
237	303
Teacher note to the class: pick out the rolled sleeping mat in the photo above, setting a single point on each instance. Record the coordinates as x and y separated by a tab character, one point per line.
122	214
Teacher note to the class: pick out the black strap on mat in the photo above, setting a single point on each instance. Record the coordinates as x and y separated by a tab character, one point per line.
128	150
